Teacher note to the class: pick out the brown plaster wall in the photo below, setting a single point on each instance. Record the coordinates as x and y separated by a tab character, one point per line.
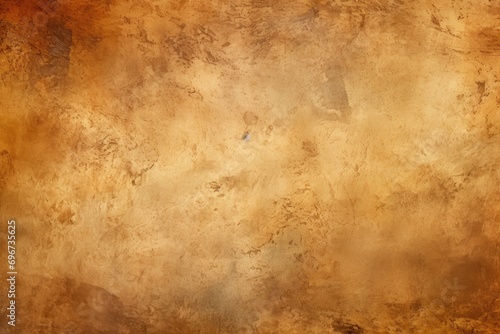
364	199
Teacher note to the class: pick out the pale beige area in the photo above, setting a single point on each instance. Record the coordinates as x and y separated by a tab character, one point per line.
366	199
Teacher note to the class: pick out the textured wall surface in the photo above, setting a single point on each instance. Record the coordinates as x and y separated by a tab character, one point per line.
251	166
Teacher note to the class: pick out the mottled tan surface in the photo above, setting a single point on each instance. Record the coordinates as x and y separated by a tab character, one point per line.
365	200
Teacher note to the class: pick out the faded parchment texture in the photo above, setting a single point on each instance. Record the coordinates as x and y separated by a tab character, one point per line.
251	166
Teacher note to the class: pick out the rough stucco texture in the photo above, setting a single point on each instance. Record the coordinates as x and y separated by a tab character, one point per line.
364	199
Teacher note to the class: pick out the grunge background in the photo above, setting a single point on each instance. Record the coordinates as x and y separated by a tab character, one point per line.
365	199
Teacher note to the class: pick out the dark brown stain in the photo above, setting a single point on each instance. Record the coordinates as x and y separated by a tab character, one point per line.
80	308
250	118
435	21
341	326
55	62
310	147
46	31
481	87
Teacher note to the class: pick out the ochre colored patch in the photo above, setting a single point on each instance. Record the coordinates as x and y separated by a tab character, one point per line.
251	166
